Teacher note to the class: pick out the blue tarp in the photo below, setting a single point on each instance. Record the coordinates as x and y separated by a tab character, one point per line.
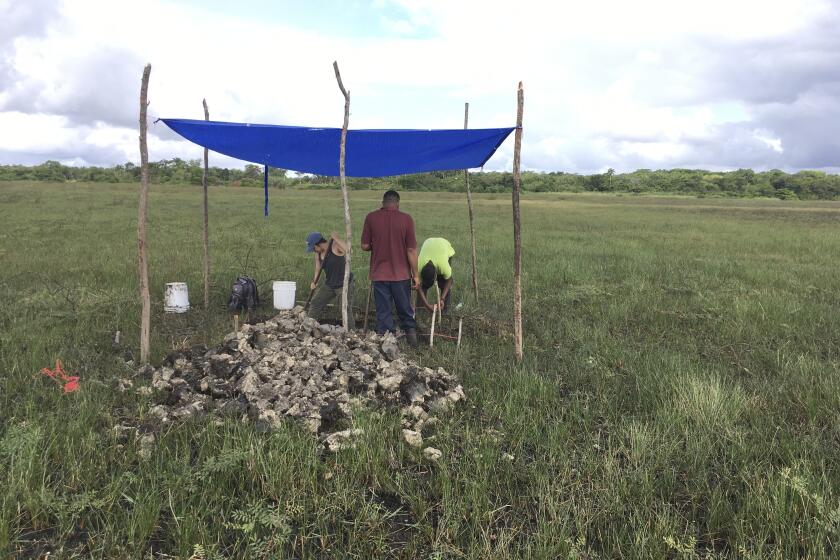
370	153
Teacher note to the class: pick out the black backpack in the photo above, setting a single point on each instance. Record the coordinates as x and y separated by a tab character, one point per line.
243	295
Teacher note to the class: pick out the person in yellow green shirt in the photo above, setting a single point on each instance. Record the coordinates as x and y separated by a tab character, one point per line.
435	265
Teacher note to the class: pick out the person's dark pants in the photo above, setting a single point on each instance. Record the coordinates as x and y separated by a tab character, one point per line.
441	282
389	295
324	295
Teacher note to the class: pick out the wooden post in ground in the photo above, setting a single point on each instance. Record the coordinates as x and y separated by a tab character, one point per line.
438	307
145	312
432	332
460	325
348	234
517	229
206	221
470	211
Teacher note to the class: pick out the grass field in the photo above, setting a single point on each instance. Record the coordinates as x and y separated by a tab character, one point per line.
679	397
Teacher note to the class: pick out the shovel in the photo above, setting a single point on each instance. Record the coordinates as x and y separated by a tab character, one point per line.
312	291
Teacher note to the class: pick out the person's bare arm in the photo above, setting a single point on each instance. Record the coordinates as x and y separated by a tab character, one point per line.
317	272
337	241
366	237
423	301
412	263
443	294
410	241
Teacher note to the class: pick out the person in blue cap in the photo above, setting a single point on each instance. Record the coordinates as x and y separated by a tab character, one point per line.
329	263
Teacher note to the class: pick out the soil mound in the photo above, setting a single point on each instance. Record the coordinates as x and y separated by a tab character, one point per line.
292	367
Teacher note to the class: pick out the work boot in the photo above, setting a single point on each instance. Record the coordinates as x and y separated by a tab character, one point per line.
411	337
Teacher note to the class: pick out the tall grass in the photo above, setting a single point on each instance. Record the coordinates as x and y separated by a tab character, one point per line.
678	398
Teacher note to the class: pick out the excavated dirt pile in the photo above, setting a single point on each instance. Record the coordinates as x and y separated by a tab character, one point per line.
293	367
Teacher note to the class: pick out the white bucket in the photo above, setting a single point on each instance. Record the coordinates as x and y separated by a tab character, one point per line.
284	294
176	299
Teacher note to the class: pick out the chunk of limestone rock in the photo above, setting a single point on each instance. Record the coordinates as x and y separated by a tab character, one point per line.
432	454
412	438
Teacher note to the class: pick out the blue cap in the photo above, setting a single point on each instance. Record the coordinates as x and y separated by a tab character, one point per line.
311	240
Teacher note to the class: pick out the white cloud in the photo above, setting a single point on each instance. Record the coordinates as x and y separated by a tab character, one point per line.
607	83
37	133
774	143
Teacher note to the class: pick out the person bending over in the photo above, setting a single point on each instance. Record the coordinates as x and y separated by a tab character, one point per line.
435	263
329	261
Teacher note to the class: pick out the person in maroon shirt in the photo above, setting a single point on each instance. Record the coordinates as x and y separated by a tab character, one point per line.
389	235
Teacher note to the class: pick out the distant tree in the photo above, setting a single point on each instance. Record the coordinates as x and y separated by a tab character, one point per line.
742	182
253	171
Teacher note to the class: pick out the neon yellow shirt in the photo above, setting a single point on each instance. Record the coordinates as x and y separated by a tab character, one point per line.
438	250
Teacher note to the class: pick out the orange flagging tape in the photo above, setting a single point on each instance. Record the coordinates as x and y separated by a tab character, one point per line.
69	382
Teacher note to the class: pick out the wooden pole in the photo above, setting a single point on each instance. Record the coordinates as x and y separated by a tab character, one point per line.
206	220
460	324
145	313
517	229
438	307
348	234
470	210
432	332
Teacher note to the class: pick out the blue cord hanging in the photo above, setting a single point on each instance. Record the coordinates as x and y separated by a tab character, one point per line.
265	184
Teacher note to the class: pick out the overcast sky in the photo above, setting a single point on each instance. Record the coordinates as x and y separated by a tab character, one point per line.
718	84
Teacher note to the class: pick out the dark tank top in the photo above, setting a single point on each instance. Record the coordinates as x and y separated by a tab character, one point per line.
333	267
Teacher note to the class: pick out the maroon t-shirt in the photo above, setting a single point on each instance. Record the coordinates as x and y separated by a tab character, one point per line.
390	234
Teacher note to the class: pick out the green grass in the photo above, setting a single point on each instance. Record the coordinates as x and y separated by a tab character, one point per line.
679	396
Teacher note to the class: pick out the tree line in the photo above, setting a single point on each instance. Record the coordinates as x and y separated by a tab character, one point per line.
803	185
174	171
